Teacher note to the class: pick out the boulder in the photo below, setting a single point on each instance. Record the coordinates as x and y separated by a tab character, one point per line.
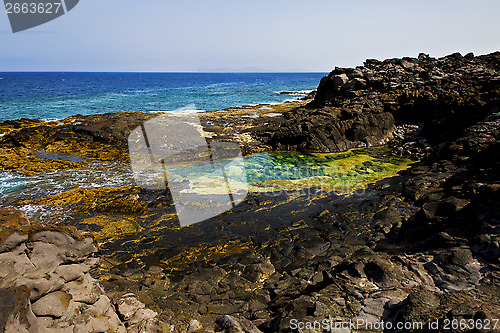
231	324
53	304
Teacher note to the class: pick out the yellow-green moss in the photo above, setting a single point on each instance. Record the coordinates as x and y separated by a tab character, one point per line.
106	227
24	161
123	199
206	252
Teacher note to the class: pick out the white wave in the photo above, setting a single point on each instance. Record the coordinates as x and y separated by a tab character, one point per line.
294	92
223	84
250	116
44	213
190	108
51	119
257	104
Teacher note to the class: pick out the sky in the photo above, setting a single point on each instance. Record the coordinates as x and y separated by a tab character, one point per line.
247	36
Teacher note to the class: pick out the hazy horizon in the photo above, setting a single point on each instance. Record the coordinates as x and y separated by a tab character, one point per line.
154	72
225	36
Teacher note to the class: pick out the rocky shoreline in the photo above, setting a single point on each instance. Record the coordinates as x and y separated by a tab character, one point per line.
418	247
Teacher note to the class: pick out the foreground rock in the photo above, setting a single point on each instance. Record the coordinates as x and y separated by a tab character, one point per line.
48	283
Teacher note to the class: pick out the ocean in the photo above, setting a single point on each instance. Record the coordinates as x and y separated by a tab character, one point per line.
51	96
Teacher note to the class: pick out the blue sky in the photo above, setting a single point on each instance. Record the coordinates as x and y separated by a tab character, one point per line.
257	35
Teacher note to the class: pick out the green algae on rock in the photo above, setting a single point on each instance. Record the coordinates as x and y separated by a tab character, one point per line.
339	172
25	162
289	171
112	200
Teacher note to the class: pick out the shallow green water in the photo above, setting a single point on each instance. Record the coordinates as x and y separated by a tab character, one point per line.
337	171
277	171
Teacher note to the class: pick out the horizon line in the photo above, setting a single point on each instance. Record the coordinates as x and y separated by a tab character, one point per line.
160	72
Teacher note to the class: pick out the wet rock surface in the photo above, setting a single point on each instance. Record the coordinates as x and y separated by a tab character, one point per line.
31	147
419	247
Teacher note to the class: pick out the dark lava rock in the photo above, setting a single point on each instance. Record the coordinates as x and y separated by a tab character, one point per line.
363	106
329	130
230	324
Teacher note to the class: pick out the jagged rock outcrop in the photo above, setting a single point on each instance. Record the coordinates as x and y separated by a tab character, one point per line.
363	106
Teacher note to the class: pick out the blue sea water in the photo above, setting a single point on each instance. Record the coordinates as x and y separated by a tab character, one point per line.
50	96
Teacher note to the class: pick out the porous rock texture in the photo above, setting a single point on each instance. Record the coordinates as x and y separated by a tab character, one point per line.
48	283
